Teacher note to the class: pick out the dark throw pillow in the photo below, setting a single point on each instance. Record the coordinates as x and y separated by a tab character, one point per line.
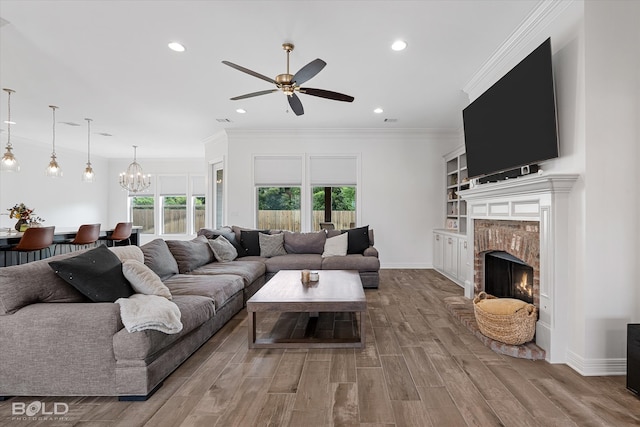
191	254
250	241
158	258
97	274
358	240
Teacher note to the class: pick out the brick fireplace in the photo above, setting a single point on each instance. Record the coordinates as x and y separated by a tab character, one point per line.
518	238
527	218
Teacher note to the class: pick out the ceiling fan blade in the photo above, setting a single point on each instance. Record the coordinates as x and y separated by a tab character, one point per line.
308	71
252	94
250	72
295	104
327	94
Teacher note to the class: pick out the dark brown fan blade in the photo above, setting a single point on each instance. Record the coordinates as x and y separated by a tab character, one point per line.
250	72
326	94
308	71
251	95
295	104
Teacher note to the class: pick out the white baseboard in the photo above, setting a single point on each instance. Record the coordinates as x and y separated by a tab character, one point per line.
596	367
405	266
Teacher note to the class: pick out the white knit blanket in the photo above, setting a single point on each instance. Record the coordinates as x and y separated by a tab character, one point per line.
140	312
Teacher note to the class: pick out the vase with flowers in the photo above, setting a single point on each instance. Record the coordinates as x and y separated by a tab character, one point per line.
25	217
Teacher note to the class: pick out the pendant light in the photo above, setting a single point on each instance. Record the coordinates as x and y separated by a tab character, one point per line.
53	169
134	180
88	175
9	162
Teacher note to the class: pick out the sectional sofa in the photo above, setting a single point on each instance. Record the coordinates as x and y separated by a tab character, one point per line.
56	341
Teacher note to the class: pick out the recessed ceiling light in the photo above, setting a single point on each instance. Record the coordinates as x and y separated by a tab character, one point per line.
399	45
378	110
241	111
177	47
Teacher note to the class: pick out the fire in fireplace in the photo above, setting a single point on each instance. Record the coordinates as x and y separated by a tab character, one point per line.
506	276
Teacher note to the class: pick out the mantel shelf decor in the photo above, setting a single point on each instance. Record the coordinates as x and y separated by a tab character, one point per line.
134	180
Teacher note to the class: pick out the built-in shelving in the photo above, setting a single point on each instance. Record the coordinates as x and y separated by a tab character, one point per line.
457	179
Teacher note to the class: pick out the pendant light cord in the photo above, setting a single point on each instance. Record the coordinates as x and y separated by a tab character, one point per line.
53	107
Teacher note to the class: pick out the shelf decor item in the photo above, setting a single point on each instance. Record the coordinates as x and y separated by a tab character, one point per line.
134	180
9	162
507	320
24	215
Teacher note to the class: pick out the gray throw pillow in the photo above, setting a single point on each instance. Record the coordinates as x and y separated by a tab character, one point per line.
158	258
191	254
222	249
271	245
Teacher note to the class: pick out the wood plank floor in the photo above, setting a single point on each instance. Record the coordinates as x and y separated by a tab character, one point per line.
420	368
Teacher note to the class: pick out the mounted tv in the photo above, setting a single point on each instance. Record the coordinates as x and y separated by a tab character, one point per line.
513	123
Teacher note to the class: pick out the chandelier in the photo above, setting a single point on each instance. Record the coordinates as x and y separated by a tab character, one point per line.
134	179
53	169
9	162
88	175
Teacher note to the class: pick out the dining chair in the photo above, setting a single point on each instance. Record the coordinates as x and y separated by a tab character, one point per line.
120	233
34	239
327	226
86	235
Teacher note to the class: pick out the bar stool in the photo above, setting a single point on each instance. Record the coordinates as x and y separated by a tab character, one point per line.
86	235
120	233
34	239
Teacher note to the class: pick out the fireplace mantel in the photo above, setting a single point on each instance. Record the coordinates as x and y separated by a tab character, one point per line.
542	198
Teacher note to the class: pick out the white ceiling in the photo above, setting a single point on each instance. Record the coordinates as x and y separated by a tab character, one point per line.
108	60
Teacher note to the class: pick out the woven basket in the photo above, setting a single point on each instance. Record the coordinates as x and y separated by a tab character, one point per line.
515	329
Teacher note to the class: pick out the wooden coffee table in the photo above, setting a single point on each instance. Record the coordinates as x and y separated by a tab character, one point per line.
336	291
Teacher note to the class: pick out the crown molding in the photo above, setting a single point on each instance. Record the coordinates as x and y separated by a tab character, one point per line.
510	52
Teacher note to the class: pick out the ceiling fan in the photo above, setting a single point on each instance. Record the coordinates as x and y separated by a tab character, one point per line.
290	83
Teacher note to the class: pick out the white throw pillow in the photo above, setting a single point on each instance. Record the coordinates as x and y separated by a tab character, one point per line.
222	249
336	245
143	280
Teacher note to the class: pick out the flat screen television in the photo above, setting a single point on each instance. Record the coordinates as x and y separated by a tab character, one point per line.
513	123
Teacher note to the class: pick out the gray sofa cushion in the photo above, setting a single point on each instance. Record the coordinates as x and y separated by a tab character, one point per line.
191	254
195	310
294	262
158	258
43	285
220	288
250	271
304	243
351	262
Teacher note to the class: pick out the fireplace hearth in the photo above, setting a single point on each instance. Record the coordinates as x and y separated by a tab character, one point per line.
507	276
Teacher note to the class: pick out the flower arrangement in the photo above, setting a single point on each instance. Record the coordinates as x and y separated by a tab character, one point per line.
24	214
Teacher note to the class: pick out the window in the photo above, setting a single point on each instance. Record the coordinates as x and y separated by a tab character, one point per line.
335	206
279	208
143	213
198	212
173	201
174	214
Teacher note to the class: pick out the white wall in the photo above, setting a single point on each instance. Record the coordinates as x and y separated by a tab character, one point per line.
401	187
612	77
65	202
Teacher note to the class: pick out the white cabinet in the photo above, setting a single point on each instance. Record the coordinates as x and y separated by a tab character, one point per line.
438	251
450	255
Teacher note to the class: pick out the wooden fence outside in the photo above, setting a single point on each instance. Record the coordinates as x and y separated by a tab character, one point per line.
175	220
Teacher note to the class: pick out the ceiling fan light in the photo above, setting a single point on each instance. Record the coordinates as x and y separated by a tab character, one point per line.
176	47
399	45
